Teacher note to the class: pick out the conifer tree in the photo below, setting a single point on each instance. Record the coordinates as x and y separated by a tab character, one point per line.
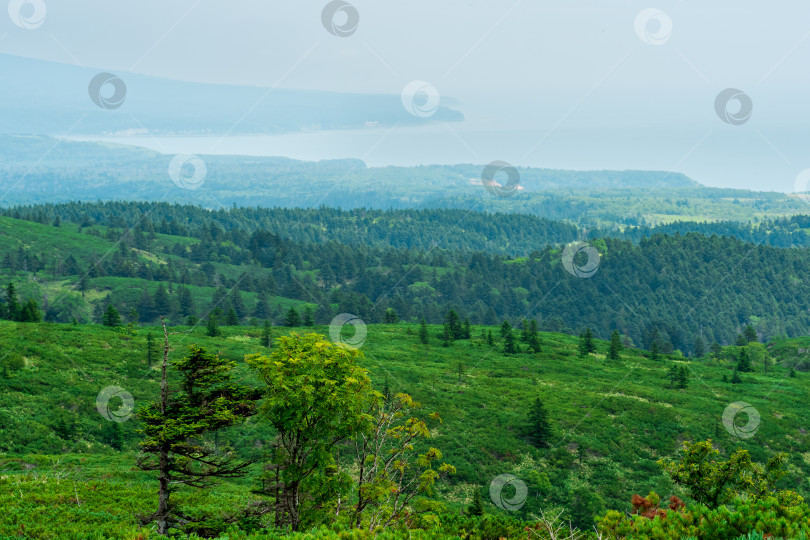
424	337
477	506
615	345
111	317
538	428
266	334
292	319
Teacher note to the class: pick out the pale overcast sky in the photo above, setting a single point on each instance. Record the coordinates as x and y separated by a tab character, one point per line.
576	69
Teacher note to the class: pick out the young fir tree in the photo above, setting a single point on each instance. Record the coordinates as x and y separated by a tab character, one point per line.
699	347
509	345
231	318
654	352
447	336
750	334
490	339
212	326
615	346
672	375
683	377
744	362
538	428
453	323
178	426
586	344
151	349
735	379
424	337
467	329
307	319
506	329
477	506
266	334
292	319
111	317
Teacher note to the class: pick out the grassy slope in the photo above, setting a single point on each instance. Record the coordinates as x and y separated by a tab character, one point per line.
622	412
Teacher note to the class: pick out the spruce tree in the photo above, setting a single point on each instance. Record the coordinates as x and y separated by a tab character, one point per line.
424	337
699	347
615	345
477	506
509	346
176	427
212	327
307	319
111	317
292	319
538	428
683	377
750	334
744	362
654	352
736	377
266	334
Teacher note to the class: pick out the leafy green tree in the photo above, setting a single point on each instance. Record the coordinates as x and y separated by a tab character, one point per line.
615	346
315	396
111	317
292	319
538	427
392	473
176	428
713	482
390	316
424	337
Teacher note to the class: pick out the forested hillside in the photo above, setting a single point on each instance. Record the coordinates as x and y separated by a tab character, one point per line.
144	259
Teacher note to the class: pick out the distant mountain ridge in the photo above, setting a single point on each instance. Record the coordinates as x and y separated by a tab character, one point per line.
51	98
44	169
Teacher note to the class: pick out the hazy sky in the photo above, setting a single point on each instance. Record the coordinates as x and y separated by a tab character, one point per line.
558	72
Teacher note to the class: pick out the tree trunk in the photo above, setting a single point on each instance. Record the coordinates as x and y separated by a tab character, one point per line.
163	476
